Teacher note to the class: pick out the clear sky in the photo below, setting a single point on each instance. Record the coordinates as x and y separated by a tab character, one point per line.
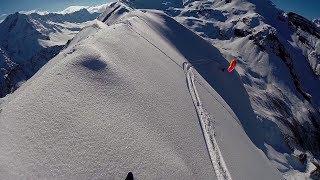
11	6
307	8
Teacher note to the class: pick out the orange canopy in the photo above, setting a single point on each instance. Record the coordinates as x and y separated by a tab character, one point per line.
232	65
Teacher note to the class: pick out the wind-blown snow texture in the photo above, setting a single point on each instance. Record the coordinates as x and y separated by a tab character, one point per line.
27	42
117	100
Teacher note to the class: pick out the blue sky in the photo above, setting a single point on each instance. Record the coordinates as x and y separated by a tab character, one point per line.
307	8
11	6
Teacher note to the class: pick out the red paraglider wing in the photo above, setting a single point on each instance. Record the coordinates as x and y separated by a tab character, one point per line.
232	65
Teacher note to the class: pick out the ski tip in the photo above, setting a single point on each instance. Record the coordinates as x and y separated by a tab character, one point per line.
129	176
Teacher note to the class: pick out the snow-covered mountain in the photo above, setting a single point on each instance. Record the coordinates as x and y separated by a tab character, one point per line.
28	41
279	65
144	91
131	97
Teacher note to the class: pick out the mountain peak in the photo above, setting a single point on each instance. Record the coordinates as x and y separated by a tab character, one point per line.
28	40
80	11
17	23
13	19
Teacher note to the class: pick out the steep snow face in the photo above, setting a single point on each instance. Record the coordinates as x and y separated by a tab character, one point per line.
279	65
132	96
27	42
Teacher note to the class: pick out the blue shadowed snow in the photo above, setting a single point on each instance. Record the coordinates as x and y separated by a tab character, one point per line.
94	64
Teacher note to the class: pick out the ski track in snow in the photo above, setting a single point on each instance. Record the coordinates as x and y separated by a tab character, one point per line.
217	160
198	62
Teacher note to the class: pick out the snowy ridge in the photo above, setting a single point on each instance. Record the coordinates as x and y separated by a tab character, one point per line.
104	110
217	160
270	104
145	18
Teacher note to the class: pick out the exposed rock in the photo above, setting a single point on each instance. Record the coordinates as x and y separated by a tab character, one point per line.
304	24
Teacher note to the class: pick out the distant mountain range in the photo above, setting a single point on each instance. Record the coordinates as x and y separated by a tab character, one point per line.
28	41
317	22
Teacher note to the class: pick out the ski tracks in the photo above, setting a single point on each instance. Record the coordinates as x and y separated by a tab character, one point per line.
217	160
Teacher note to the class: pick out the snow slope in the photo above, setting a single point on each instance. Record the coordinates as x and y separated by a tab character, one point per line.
119	99
279	66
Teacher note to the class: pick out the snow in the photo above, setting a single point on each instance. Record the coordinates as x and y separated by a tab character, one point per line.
72	9
117	100
283	91
100	8
276	83
28	41
217	160
2	16
92	9
34	11
279	66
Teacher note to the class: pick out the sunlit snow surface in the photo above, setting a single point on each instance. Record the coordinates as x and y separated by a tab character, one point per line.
117	100
101	83
279	64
